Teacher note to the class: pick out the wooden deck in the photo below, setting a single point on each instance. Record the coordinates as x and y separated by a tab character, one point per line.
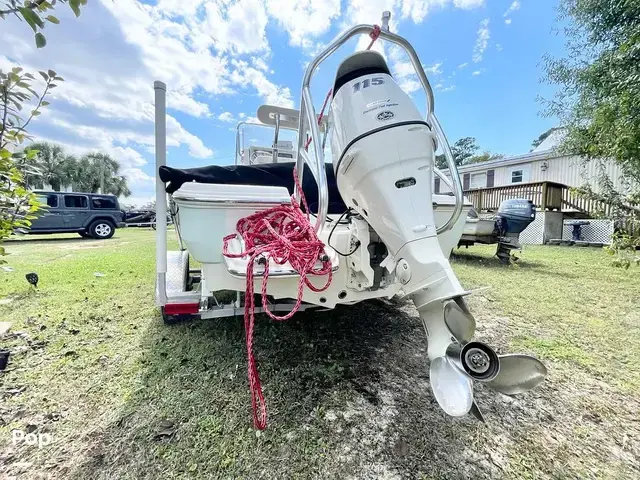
549	196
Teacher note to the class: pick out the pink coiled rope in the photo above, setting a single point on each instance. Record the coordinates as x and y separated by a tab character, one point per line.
281	234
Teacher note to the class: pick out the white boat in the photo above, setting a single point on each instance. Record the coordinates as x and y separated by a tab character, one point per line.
476	226
376	230
503	228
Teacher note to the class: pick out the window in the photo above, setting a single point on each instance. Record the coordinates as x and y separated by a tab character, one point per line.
49	200
103	202
75	201
479	180
516	176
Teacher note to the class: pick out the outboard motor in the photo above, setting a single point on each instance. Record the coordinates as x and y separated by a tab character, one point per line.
513	217
383	160
383	154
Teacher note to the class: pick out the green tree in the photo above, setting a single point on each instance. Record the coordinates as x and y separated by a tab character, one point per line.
17	204
99	172
464	153
599	98
33	11
51	166
485	156
18	90
463	149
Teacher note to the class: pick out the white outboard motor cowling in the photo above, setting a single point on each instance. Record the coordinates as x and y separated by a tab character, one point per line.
383	159
367	100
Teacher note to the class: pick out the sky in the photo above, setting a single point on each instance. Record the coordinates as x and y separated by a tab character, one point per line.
222	59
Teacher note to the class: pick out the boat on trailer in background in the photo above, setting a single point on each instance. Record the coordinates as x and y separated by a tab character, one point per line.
379	229
503	228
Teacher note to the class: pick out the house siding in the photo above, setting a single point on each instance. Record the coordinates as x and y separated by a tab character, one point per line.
568	170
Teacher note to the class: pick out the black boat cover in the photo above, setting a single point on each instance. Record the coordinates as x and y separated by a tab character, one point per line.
267	174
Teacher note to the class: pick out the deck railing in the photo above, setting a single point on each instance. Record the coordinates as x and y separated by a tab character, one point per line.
547	196
544	195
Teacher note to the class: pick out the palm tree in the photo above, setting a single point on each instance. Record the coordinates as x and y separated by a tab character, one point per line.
100	172
91	173
51	166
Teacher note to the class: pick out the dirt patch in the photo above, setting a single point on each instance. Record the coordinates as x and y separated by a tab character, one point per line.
83	245
573	426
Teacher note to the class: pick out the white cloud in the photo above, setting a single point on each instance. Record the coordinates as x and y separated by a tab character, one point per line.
177	133
482	41
409	85
512	8
417	9
478	72
463	65
304	19
226	117
259	63
271	93
450	88
111	95
405	74
499	47
434	69
468	4
239	27
368	11
137	200
180	7
186	103
399	62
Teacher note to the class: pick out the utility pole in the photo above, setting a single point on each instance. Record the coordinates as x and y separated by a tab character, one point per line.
102	176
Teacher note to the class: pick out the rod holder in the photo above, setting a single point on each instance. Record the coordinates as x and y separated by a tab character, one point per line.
386	16
275	138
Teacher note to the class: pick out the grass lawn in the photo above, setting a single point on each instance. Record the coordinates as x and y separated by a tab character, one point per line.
125	397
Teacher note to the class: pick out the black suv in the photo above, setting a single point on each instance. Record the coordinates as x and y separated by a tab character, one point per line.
89	214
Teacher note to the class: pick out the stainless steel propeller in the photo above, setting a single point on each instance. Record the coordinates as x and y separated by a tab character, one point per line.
451	387
475	411
459	320
518	374
452	374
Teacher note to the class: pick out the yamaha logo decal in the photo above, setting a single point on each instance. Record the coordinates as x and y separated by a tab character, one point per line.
386	115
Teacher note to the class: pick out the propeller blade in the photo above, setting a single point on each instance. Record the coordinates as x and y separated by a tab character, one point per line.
459	320
452	388
518	374
475	411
